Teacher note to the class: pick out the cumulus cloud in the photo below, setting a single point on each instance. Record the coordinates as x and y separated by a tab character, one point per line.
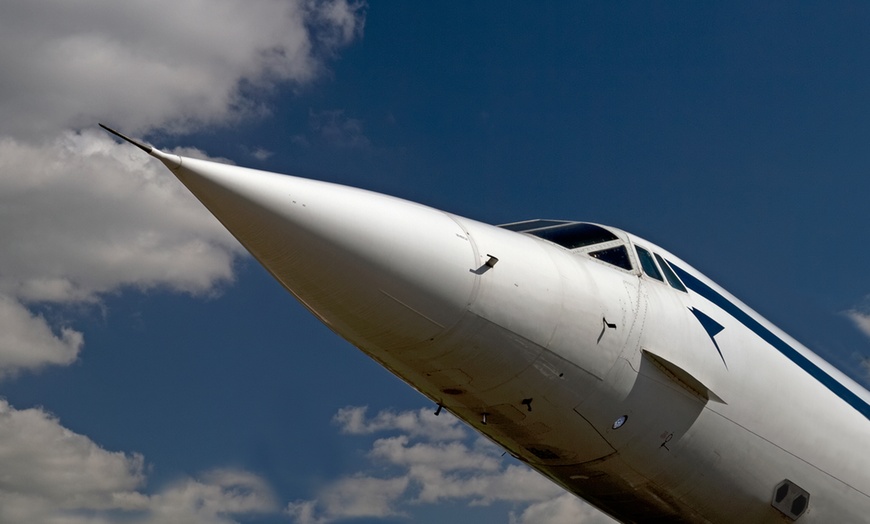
861	320
215	498
434	462
352	497
50	474
176	63
564	509
453	470
85	216
40	459
353	421
81	216
28	342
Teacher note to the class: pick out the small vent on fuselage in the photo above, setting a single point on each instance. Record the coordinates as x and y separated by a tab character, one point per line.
790	499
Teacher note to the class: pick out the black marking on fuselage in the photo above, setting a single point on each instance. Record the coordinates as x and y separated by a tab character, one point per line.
712	328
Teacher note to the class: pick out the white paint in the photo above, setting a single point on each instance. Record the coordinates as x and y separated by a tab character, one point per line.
521	346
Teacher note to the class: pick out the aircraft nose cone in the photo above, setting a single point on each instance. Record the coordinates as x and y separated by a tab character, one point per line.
383	272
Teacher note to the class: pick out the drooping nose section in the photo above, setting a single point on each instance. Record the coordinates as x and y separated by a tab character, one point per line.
383	272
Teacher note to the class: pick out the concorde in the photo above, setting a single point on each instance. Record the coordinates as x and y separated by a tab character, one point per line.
601	360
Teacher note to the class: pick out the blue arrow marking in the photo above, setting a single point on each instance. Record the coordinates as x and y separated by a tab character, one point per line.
712	328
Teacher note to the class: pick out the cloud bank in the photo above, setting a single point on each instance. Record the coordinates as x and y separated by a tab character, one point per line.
177	64
82	217
51	474
431	460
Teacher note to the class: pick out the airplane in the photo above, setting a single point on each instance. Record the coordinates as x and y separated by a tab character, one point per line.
598	358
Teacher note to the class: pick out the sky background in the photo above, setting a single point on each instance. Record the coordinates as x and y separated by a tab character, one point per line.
150	371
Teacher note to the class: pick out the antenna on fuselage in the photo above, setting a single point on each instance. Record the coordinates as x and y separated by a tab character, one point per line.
143	147
169	160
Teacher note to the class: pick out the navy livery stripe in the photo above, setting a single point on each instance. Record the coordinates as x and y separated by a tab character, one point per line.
789	352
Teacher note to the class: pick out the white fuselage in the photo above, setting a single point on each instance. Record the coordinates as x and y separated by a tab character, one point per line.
547	350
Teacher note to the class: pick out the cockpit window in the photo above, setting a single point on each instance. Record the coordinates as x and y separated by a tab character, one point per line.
618	256
670	275
532	224
574	235
648	264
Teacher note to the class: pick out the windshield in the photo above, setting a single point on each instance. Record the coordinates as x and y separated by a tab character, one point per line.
574	235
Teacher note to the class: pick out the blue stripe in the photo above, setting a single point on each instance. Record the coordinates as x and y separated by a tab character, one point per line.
792	354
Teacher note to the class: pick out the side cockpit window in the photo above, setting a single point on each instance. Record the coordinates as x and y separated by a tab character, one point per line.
618	256
648	264
673	280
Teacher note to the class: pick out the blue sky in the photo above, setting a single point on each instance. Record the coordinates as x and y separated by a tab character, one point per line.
141	349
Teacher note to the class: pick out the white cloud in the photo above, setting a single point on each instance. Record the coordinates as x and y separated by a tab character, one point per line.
81	216
86	216
49	474
564	509
352	497
429	468
214	499
453	470
178	63
337	23
28	342
421	423
443	456
41	459
261	154
861	320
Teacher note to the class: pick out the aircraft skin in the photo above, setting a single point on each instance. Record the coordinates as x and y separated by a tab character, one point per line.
653	398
